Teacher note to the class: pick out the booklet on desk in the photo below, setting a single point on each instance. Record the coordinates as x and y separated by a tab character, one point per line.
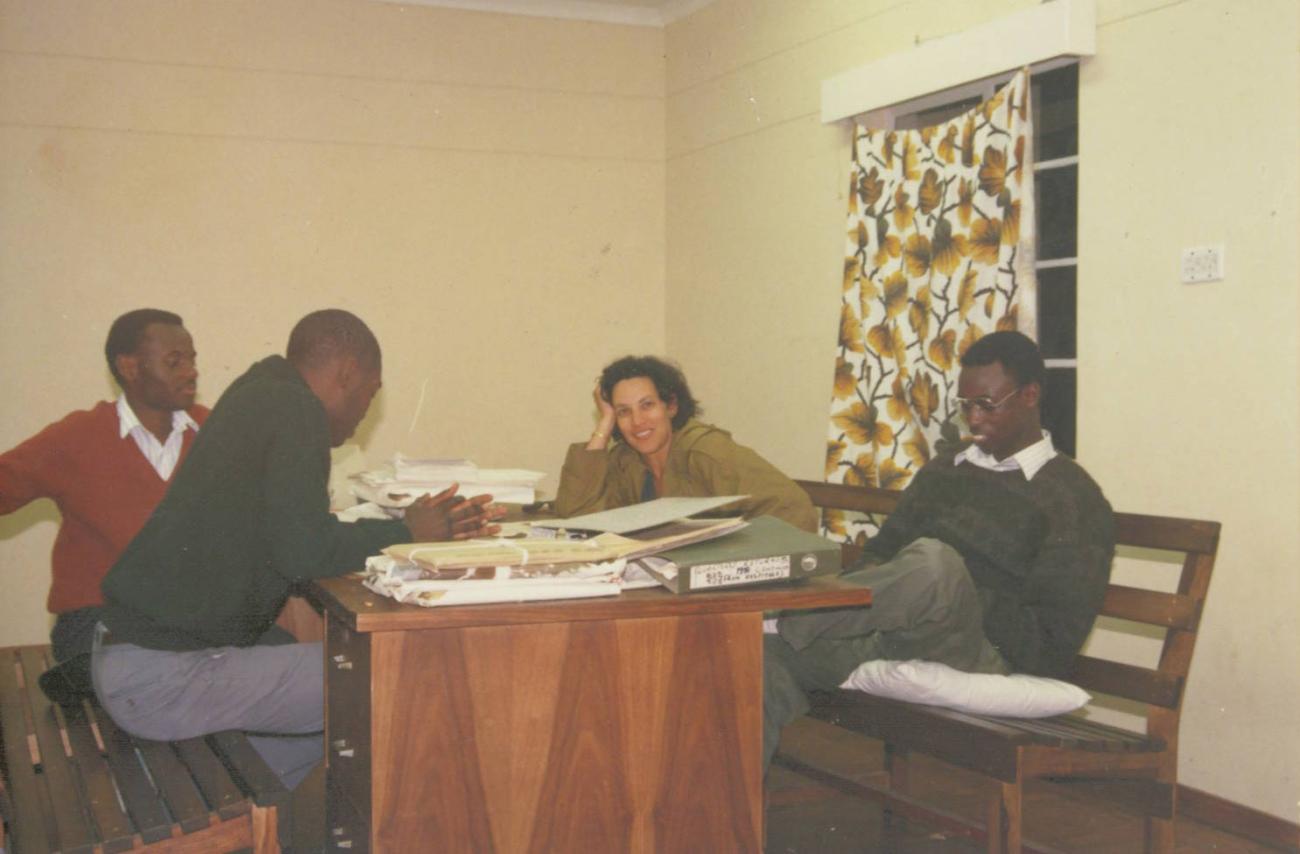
766	550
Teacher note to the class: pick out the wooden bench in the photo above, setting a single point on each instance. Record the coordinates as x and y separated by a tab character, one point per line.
1009	751
72	781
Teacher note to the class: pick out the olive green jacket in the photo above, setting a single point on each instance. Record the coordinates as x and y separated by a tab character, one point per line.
702	460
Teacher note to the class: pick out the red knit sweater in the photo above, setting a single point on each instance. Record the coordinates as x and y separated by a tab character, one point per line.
103	486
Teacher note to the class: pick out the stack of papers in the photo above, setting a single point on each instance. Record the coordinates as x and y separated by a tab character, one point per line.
411	583
396	484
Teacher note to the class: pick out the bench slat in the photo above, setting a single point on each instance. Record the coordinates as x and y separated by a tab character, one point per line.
1166	533
1131	529
1074	734
1046	731
1099	732
901	723
946	732
248	767
221	793
113	825
74	830
178	791
851	498
1151	607
1127	681
143	802
27	795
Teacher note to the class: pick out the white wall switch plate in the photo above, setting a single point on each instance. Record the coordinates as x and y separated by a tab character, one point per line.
1202	264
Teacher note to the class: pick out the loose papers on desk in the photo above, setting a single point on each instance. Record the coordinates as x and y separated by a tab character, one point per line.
396	484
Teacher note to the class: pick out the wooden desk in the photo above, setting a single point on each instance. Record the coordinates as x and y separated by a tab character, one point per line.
631	723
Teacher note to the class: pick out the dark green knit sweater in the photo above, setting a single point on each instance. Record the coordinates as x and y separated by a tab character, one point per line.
246	515
1039	551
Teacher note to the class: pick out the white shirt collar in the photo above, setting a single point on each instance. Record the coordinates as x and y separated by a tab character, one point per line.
162	456
1028	460
127	420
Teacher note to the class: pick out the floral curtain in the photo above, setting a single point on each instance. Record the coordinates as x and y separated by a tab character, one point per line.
940	251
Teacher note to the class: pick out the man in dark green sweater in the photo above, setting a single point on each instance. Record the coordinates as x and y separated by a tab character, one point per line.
996	560
186	645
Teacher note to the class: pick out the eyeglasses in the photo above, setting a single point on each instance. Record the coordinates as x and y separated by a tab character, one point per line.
983	404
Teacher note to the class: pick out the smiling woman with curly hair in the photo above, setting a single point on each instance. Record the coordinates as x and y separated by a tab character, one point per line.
648	444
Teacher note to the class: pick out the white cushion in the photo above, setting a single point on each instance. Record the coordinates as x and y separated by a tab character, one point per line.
934	684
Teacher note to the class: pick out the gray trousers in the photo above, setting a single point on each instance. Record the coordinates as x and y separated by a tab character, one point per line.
924	605
274	691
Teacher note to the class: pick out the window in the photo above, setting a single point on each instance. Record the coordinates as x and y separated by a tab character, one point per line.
1055	95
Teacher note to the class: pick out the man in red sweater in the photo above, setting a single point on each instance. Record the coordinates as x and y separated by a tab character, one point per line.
108	466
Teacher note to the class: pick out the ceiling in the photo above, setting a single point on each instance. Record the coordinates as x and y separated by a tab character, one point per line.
645	13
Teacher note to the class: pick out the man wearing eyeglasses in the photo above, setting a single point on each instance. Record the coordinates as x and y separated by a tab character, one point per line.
996	560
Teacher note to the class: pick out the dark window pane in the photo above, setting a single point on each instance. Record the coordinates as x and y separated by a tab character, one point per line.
1057	192
1058	408
1055	101
936	115
1056	312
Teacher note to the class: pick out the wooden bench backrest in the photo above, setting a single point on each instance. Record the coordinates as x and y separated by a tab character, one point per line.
1178	613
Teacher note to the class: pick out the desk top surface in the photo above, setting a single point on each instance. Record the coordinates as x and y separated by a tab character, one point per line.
346	599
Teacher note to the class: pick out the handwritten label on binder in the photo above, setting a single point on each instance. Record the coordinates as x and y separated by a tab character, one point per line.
740	572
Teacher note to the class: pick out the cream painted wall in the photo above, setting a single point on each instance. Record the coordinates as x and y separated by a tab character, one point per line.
1188	394
458	179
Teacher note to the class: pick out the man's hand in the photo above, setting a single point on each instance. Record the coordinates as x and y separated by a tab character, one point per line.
448	516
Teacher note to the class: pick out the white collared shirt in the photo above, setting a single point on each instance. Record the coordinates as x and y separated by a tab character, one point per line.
1028	460
161	455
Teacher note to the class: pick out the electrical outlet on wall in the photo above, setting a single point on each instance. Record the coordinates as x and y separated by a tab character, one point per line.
1202	264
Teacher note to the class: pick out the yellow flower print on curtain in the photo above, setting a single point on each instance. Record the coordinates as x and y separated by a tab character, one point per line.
939	252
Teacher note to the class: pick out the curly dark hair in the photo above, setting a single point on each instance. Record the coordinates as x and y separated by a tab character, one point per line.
670	384
126	333
1015	351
